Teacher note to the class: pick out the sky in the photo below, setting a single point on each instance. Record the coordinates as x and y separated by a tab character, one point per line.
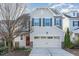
54	5
60	6
34	5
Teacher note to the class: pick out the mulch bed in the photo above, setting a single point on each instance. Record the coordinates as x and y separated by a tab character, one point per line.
18	53
73	51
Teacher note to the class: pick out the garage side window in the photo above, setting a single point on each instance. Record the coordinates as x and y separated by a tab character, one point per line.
21	37
36	21
47	21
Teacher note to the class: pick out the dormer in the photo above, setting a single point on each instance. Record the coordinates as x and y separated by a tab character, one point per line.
72	13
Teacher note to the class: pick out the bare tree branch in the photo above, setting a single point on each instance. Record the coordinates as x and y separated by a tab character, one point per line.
11	22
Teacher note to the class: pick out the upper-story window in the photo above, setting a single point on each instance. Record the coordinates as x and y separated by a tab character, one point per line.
36	21
75	13
58	21
75	23
47	21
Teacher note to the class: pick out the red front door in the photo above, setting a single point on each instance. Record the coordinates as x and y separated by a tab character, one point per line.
27	40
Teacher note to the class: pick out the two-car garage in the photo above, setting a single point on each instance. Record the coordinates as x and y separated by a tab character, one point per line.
53	38
48	41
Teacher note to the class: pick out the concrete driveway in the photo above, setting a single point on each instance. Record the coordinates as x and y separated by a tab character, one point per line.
49	52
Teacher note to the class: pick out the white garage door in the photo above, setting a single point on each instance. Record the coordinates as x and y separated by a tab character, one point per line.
47	42
43	37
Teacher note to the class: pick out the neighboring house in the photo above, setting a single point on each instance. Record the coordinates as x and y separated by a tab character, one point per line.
46	24
73	17
23	40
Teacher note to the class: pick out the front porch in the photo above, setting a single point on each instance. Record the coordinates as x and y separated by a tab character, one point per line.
23	41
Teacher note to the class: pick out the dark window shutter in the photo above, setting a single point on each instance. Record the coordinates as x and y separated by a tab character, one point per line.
60	22
50	21
55	21
73	23
78	23
43	22
32	21
40	21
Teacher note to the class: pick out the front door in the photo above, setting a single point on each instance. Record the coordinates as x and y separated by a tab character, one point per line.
16	44
27	40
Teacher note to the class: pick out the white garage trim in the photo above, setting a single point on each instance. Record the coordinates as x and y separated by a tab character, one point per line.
53	39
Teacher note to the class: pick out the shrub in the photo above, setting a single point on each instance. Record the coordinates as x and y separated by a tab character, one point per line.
67	42
25	49
71	46
28	49
3	50
1	44
20	48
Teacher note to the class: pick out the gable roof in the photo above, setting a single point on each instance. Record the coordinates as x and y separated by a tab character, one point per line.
55	11
68	16
52	10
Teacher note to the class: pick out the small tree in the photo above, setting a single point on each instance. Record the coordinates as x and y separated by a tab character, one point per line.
67	41
68	38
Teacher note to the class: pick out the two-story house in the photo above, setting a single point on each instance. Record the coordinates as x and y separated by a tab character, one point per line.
73	18
46	25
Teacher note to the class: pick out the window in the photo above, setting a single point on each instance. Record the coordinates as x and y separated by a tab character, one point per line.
36	37
43	37
58	21
74	14
36	21
47	21
56	37
75	23
21	37
50	37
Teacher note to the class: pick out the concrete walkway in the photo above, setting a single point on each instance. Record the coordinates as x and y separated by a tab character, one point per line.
49	52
